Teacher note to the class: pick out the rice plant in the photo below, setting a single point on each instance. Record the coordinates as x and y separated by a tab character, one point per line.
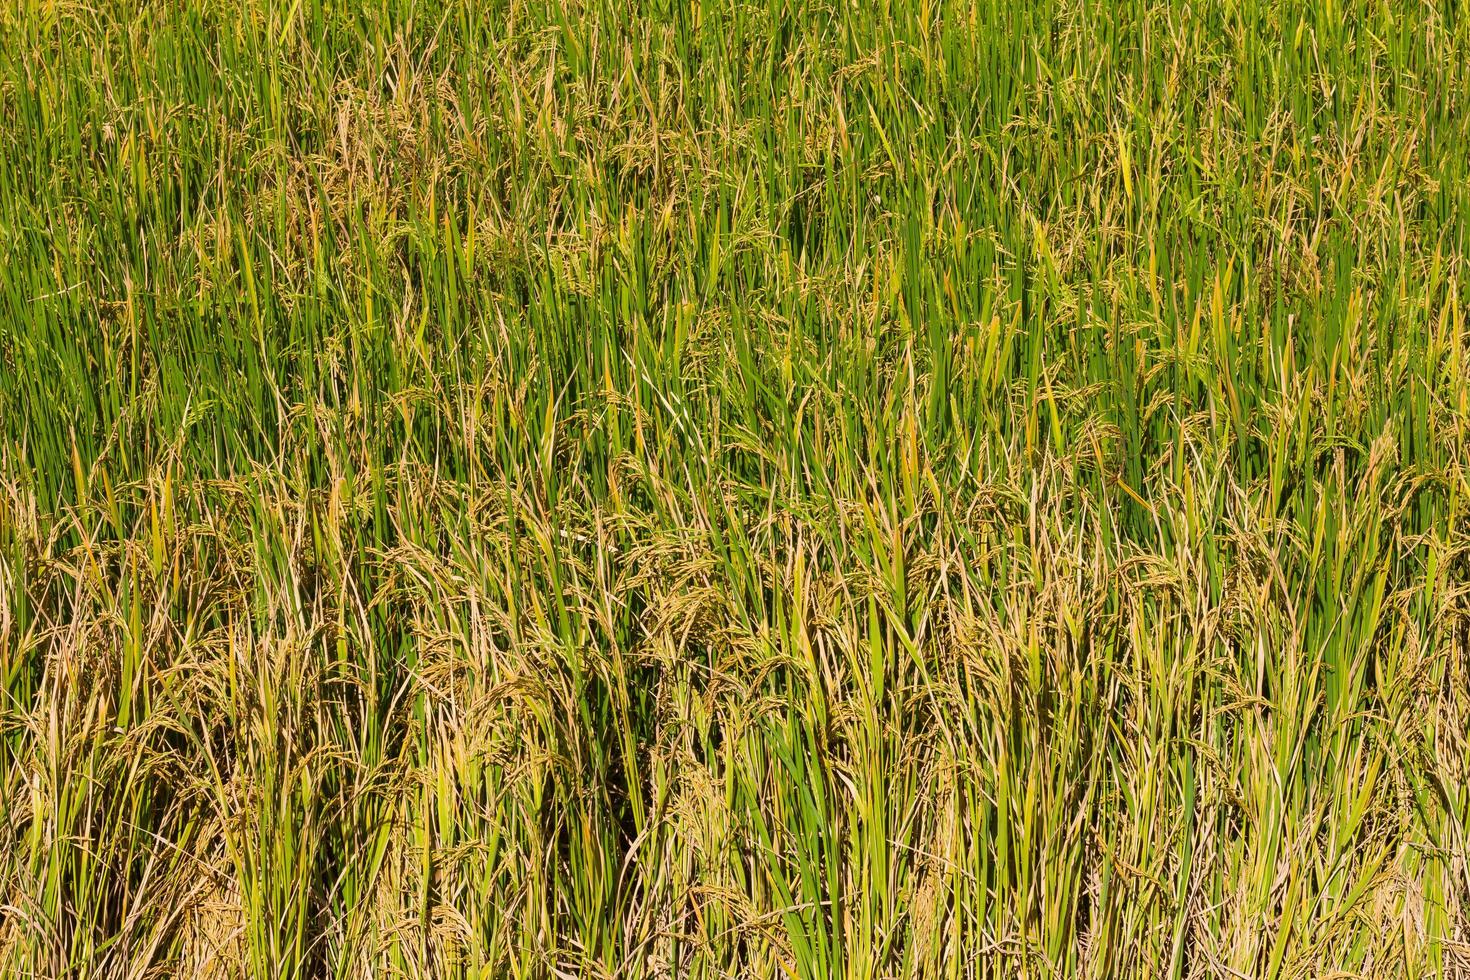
734	488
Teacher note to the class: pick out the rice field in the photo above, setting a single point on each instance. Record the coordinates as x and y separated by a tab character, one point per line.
734	489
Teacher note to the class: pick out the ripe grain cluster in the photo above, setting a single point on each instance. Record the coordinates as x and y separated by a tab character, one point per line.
734	488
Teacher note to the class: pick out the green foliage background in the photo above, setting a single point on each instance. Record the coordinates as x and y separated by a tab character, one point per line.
705	489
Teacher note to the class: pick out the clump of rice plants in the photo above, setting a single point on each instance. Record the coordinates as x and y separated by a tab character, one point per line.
709	488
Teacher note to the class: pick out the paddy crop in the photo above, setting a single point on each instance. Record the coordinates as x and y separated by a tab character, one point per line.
703	488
